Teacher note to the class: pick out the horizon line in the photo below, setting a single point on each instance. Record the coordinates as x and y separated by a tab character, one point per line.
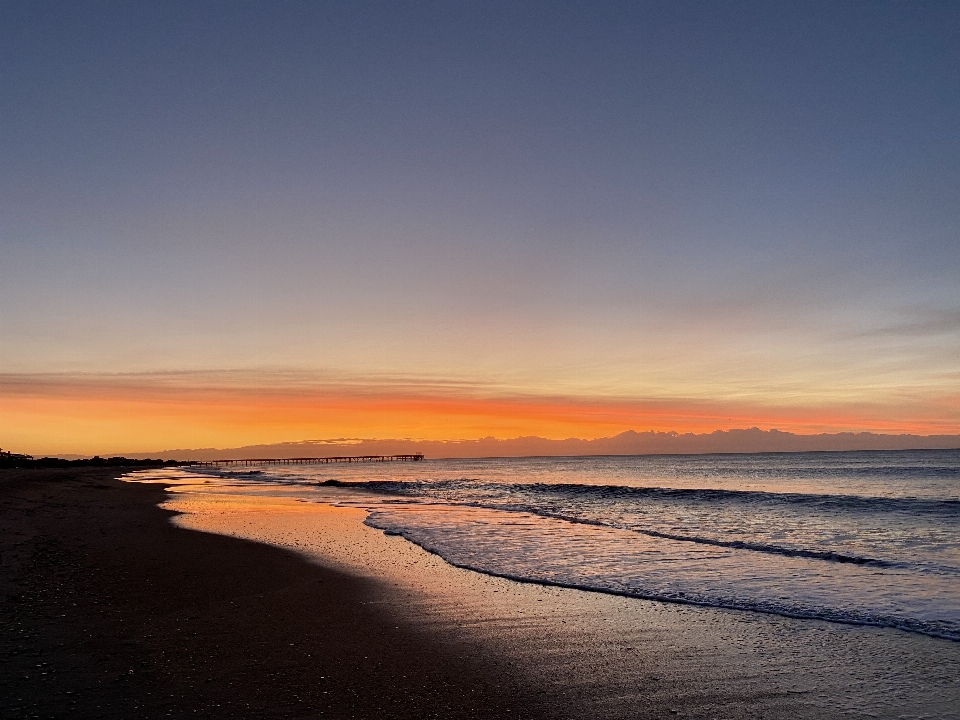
748	441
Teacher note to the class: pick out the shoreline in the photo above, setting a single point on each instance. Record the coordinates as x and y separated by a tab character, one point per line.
112	611
616	656
270	607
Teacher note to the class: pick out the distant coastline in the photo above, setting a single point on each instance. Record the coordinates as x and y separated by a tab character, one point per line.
750	440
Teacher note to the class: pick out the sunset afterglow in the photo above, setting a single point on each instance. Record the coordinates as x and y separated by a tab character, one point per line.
426	225
124	414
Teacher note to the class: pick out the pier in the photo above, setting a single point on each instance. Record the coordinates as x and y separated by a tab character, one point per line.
417	457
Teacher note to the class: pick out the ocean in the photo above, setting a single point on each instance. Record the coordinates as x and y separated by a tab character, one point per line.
862	538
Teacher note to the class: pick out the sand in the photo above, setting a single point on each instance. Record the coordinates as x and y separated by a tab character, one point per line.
596	655
270	607
109	610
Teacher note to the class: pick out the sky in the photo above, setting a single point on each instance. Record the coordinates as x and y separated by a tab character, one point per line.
229	223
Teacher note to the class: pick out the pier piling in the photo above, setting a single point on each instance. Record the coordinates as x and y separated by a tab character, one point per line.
246	462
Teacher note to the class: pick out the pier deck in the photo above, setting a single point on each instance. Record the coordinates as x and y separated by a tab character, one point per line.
306	461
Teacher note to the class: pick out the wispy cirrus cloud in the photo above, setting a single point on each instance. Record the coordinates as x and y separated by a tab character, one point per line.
920	322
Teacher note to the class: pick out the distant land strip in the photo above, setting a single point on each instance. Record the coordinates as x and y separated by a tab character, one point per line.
750	440
17	460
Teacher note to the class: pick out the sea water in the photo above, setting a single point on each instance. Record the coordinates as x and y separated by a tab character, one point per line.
869	538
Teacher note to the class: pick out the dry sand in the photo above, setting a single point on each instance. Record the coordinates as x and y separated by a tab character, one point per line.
588	654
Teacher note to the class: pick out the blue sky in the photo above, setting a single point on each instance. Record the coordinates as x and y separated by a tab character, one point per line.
632	200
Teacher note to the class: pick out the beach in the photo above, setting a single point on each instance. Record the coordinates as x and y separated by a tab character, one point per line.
111	611
264	606
590	654
469	361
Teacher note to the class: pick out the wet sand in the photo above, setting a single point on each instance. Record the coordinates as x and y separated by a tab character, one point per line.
280	608
109	610
596	655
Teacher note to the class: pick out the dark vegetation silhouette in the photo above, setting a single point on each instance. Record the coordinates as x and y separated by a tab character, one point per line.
17	460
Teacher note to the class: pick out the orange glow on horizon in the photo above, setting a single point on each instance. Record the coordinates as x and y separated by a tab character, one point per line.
106	417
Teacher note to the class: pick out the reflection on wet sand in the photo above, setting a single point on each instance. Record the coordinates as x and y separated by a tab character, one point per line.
622	657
